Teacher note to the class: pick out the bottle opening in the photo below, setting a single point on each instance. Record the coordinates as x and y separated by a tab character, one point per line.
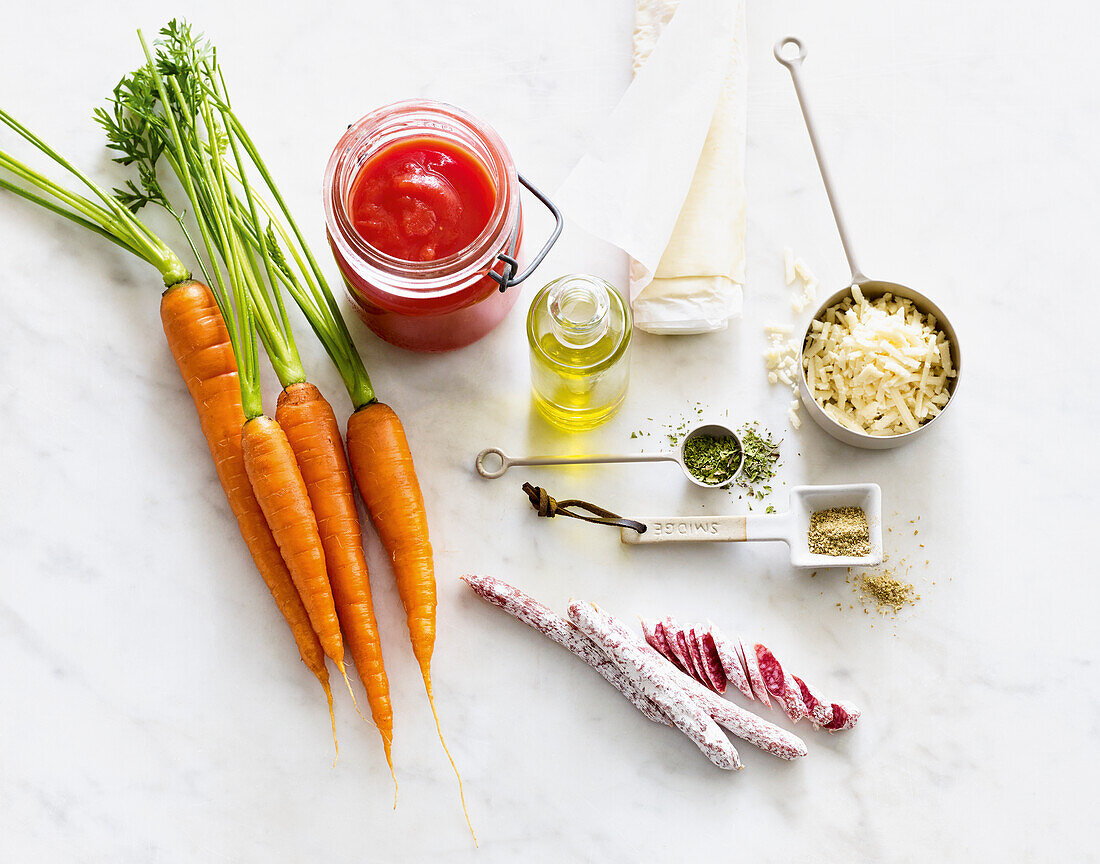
580	310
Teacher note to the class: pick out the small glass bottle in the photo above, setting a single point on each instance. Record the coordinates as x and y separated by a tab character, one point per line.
579	330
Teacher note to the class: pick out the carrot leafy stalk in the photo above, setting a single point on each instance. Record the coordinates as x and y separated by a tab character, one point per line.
200	345
378	452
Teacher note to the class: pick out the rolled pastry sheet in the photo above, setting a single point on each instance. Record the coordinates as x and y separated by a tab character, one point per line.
698	284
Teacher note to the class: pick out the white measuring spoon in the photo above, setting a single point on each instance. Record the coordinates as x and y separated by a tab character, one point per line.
485	461
791	527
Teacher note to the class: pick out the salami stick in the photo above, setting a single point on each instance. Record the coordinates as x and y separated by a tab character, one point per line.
532	613
653	676
744	724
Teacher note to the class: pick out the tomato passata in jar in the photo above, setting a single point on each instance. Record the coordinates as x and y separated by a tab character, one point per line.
424	218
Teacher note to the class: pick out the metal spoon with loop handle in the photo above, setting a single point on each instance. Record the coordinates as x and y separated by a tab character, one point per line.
493	462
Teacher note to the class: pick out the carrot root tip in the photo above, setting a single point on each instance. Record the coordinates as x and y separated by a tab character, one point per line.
332	720
454	767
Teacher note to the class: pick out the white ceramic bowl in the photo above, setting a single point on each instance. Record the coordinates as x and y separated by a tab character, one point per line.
872	289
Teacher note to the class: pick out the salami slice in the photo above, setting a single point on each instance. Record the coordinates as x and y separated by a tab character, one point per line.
712	662
819	711
654	676
660	637
532	613
845	716
756	678
780	683
696	657
678	651
732	664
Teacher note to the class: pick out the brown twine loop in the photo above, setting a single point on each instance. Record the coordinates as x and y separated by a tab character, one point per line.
551	507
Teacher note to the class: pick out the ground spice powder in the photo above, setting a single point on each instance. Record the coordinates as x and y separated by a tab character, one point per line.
839	531
886	591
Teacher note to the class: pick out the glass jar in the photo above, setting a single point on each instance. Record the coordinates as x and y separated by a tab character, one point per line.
579	330
428	305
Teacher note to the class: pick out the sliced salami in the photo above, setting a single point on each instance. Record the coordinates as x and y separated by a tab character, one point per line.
532	613
744	724
756	677
660	638
780	683
696	657
712	663
684	650
656	678
845	716
799	700
732	664
679	656
819	711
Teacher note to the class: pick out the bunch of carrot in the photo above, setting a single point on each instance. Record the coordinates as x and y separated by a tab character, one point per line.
288	480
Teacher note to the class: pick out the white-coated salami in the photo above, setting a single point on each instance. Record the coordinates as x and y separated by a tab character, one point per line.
532	613
655	677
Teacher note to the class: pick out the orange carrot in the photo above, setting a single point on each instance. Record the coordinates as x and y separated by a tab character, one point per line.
383	467
281	491
199	342
311	428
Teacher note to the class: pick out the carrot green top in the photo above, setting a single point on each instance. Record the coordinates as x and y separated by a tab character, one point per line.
101	214
204	142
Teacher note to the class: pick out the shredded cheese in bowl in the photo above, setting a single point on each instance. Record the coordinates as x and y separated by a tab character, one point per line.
878	367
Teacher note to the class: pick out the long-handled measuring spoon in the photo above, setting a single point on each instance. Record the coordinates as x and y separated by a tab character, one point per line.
791	527
871	288
493	462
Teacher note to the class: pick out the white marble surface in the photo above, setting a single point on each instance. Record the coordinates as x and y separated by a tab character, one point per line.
153	708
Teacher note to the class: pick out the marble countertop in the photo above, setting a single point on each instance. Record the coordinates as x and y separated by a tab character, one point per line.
153	707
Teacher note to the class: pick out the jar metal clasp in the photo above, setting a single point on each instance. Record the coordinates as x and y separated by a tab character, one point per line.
511	266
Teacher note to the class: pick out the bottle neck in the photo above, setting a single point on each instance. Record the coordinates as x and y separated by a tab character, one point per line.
580	310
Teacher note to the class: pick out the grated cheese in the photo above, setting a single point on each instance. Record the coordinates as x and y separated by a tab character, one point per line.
878	367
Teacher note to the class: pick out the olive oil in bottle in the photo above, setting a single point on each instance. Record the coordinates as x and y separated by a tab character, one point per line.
579	331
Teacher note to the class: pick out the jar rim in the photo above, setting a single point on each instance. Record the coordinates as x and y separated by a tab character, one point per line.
407	120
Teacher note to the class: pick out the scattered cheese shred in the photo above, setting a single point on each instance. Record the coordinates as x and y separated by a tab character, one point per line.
878	367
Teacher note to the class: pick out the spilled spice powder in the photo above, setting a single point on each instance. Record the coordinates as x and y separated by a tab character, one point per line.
887	591
884	590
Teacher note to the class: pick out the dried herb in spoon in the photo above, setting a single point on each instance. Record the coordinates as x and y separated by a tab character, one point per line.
712	459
